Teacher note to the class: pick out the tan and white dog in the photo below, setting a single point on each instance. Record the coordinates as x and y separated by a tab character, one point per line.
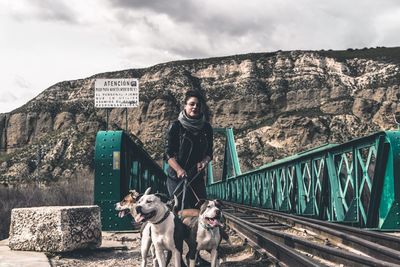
128	204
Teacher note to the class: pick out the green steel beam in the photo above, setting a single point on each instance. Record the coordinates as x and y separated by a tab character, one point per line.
357	182
232	151
231	166
121	165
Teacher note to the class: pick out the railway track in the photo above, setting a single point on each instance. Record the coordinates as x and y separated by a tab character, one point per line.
298	241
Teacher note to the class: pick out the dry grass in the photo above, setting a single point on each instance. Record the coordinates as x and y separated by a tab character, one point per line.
77	191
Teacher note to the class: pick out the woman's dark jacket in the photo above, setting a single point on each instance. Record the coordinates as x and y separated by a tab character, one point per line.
187	148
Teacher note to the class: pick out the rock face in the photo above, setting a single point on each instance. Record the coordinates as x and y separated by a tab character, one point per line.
55	229
278	104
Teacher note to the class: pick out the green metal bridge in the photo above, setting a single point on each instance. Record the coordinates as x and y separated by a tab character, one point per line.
356	183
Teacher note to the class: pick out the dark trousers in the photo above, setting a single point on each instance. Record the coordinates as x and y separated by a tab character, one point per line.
198	185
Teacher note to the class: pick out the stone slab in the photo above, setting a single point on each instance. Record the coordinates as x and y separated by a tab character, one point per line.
11	258
55	229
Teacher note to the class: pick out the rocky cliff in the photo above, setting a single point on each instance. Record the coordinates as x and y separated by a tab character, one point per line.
278	103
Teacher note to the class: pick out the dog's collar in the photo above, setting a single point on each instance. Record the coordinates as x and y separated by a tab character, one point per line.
163	218
206	226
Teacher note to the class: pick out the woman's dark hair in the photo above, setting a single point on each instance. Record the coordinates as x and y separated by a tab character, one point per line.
193	93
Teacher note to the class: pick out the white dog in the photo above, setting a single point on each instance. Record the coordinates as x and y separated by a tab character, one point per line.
166	230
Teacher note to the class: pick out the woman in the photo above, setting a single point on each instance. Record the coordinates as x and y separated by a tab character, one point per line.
189	148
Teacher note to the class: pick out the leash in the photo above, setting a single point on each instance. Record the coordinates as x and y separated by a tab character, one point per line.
194	193
183	181
186	184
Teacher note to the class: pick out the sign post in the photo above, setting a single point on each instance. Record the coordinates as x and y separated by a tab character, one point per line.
116	93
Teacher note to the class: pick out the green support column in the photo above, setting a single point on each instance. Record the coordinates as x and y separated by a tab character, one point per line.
301	201
107	186
268	188
336	198
256	190
232	150
239	190
247	191
352	212
382	154
210	176
389	210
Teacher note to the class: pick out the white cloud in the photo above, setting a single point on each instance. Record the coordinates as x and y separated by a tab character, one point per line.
47	41
46	10
6	97
21	83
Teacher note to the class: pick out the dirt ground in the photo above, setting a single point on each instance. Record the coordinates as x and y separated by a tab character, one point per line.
123	249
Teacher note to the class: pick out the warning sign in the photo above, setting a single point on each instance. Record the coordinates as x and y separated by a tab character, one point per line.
116	93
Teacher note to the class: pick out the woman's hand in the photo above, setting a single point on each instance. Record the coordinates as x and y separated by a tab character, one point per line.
181	173
201	165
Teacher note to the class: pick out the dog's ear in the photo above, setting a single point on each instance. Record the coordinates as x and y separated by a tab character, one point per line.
164	198
134	193
219	203
173	204
147	191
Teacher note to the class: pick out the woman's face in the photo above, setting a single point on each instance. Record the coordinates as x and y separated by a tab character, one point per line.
192	107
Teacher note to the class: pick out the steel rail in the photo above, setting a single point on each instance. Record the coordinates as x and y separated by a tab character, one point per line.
369	242
280	252
370	235
278	243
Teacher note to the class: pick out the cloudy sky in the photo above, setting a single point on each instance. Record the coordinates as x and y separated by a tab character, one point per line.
46	41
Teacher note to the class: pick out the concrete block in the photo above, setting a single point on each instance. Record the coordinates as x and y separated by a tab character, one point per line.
55	229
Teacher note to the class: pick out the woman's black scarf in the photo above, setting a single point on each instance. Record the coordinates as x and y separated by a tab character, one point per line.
192	125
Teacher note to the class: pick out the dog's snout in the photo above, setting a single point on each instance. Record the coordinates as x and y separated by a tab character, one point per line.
139	209
218	212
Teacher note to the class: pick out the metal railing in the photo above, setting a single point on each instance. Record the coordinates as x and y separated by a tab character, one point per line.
357	183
